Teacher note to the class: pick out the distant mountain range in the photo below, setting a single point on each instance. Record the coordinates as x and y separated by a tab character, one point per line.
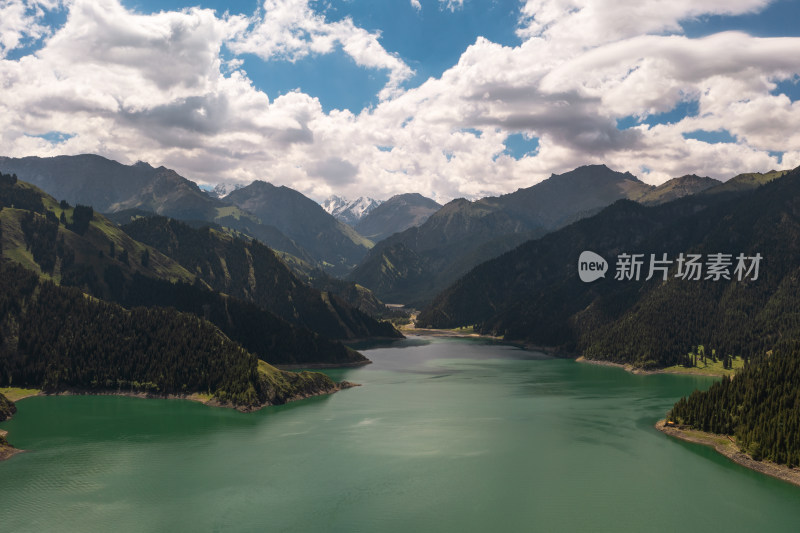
412	266
676	188
334	244
128	191
109	186
221	190
422	247
377	220
349	211
396	214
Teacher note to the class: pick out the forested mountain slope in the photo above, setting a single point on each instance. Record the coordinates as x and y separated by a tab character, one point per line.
533	293
412	266
250	271
128	191
76	247
334	244
55	338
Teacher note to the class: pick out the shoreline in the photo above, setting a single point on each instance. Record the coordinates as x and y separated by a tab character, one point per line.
724	445
641	371
358	340
427	332
624	366
7	450
550	350
202	398
319	366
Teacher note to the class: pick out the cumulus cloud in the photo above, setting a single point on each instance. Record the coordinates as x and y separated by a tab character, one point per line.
585	23
154	87
416	5
291	30
20	20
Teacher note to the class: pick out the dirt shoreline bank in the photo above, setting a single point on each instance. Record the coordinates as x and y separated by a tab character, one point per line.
725	445
426	332
6	450
633	370
318	366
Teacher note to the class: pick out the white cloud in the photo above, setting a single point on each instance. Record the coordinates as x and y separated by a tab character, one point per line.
585	23
20	20
291	30
154	87
452	5
416	5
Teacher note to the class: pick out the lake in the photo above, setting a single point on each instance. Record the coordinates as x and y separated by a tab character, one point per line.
443	435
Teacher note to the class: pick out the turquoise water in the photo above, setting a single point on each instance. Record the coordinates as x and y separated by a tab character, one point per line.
443	435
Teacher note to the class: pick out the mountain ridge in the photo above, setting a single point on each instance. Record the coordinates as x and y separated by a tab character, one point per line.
111	187
533	293
332	242
252	272
398	213
412	266
47	238
349	211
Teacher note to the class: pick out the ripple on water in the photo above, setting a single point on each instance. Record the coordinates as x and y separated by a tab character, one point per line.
438	438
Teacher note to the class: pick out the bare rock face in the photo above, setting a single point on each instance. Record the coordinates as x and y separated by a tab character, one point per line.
7	408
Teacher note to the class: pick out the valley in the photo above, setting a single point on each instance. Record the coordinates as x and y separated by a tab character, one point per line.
501	269
424	265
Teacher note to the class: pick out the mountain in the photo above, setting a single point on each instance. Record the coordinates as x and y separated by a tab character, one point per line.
251	272
747	181
72	245
396	214
677	188
759	407
533	293
563	198
129	191
334	244
56	339
350	292
7	409
109	186
222	190
334	204
349	211
76	247
412	266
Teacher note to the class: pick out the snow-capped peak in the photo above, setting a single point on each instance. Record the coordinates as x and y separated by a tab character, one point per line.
348	211
223	189
334	204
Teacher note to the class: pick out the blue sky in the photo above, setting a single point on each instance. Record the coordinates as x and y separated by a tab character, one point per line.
444	97
429	40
